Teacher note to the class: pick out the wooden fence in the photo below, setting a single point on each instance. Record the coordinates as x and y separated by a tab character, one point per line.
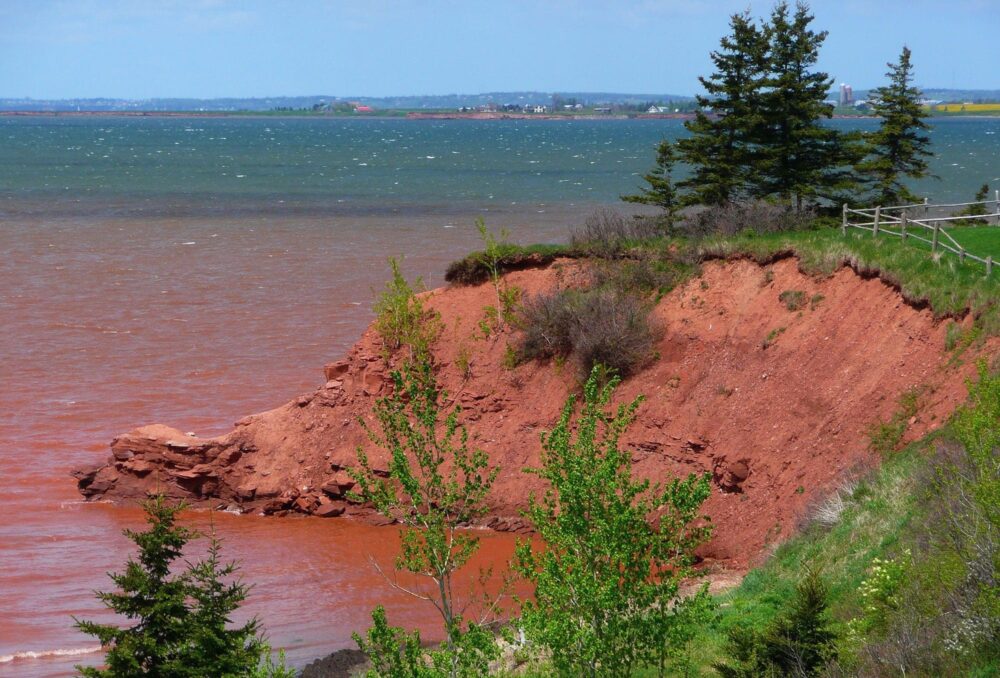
900	221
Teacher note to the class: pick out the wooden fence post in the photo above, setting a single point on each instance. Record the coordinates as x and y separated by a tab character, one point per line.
843	226
902	223
934	241
961	254
878	215
926	205
996	196
989	266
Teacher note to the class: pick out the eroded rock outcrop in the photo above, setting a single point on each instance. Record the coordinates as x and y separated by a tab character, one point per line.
776	425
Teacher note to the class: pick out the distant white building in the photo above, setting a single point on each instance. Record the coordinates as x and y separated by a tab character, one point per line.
658	109
535	108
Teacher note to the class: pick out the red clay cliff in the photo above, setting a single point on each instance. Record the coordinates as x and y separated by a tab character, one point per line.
777	426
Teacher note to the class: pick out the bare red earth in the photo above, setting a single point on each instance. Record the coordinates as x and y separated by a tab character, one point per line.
778	427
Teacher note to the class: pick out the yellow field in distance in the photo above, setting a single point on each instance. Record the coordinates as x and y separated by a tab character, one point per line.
967	108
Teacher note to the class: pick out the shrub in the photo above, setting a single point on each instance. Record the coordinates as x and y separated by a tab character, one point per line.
599	326
747	217
642	273
794	300
401	319
607	233
548	319
613	330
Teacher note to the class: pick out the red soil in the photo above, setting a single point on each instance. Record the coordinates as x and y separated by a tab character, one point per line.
777	427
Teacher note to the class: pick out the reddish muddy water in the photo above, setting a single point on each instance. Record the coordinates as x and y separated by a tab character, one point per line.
110	323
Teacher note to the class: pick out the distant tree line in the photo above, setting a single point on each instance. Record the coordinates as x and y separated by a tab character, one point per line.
759	134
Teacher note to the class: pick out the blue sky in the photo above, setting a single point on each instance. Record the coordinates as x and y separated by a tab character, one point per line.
216	48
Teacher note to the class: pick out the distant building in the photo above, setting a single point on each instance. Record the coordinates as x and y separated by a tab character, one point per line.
658	109
363	109
846	95
533	108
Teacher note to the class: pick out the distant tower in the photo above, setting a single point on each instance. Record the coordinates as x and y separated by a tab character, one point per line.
846	95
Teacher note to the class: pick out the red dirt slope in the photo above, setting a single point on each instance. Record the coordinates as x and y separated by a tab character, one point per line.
778	427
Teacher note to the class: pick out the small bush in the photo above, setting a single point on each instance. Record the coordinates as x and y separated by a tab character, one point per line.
603	326
794	300
747	217
613	330
547	320
772	337
607	233
401	319
641	274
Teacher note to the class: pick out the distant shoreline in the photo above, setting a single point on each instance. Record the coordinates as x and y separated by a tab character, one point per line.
390	115
416	115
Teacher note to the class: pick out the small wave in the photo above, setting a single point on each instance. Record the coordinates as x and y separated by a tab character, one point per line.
42	654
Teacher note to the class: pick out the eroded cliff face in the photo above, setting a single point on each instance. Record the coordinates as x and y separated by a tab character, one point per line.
778	425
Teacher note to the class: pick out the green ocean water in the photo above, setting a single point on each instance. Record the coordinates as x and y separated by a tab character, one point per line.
171	166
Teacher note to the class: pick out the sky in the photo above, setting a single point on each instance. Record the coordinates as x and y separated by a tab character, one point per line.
54	49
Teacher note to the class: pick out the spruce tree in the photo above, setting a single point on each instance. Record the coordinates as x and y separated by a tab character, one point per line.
214	649
151	595
798	642
661	192
721	148
900	147
800	159
181	618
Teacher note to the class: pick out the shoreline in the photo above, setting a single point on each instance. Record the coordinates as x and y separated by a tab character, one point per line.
400	115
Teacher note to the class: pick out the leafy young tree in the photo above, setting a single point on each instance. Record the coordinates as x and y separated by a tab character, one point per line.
900	147
615	548
435	486
391	650
721	149
661	192
800	158
182	619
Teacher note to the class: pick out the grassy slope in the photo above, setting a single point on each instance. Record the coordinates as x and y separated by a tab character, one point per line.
880	515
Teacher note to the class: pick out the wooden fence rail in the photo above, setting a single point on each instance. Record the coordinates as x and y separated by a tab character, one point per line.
897	221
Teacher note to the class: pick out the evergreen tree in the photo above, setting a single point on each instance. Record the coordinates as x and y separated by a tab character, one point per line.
661	192
151	595
800	159
721	149
214	649
798	642
181	618
900	147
